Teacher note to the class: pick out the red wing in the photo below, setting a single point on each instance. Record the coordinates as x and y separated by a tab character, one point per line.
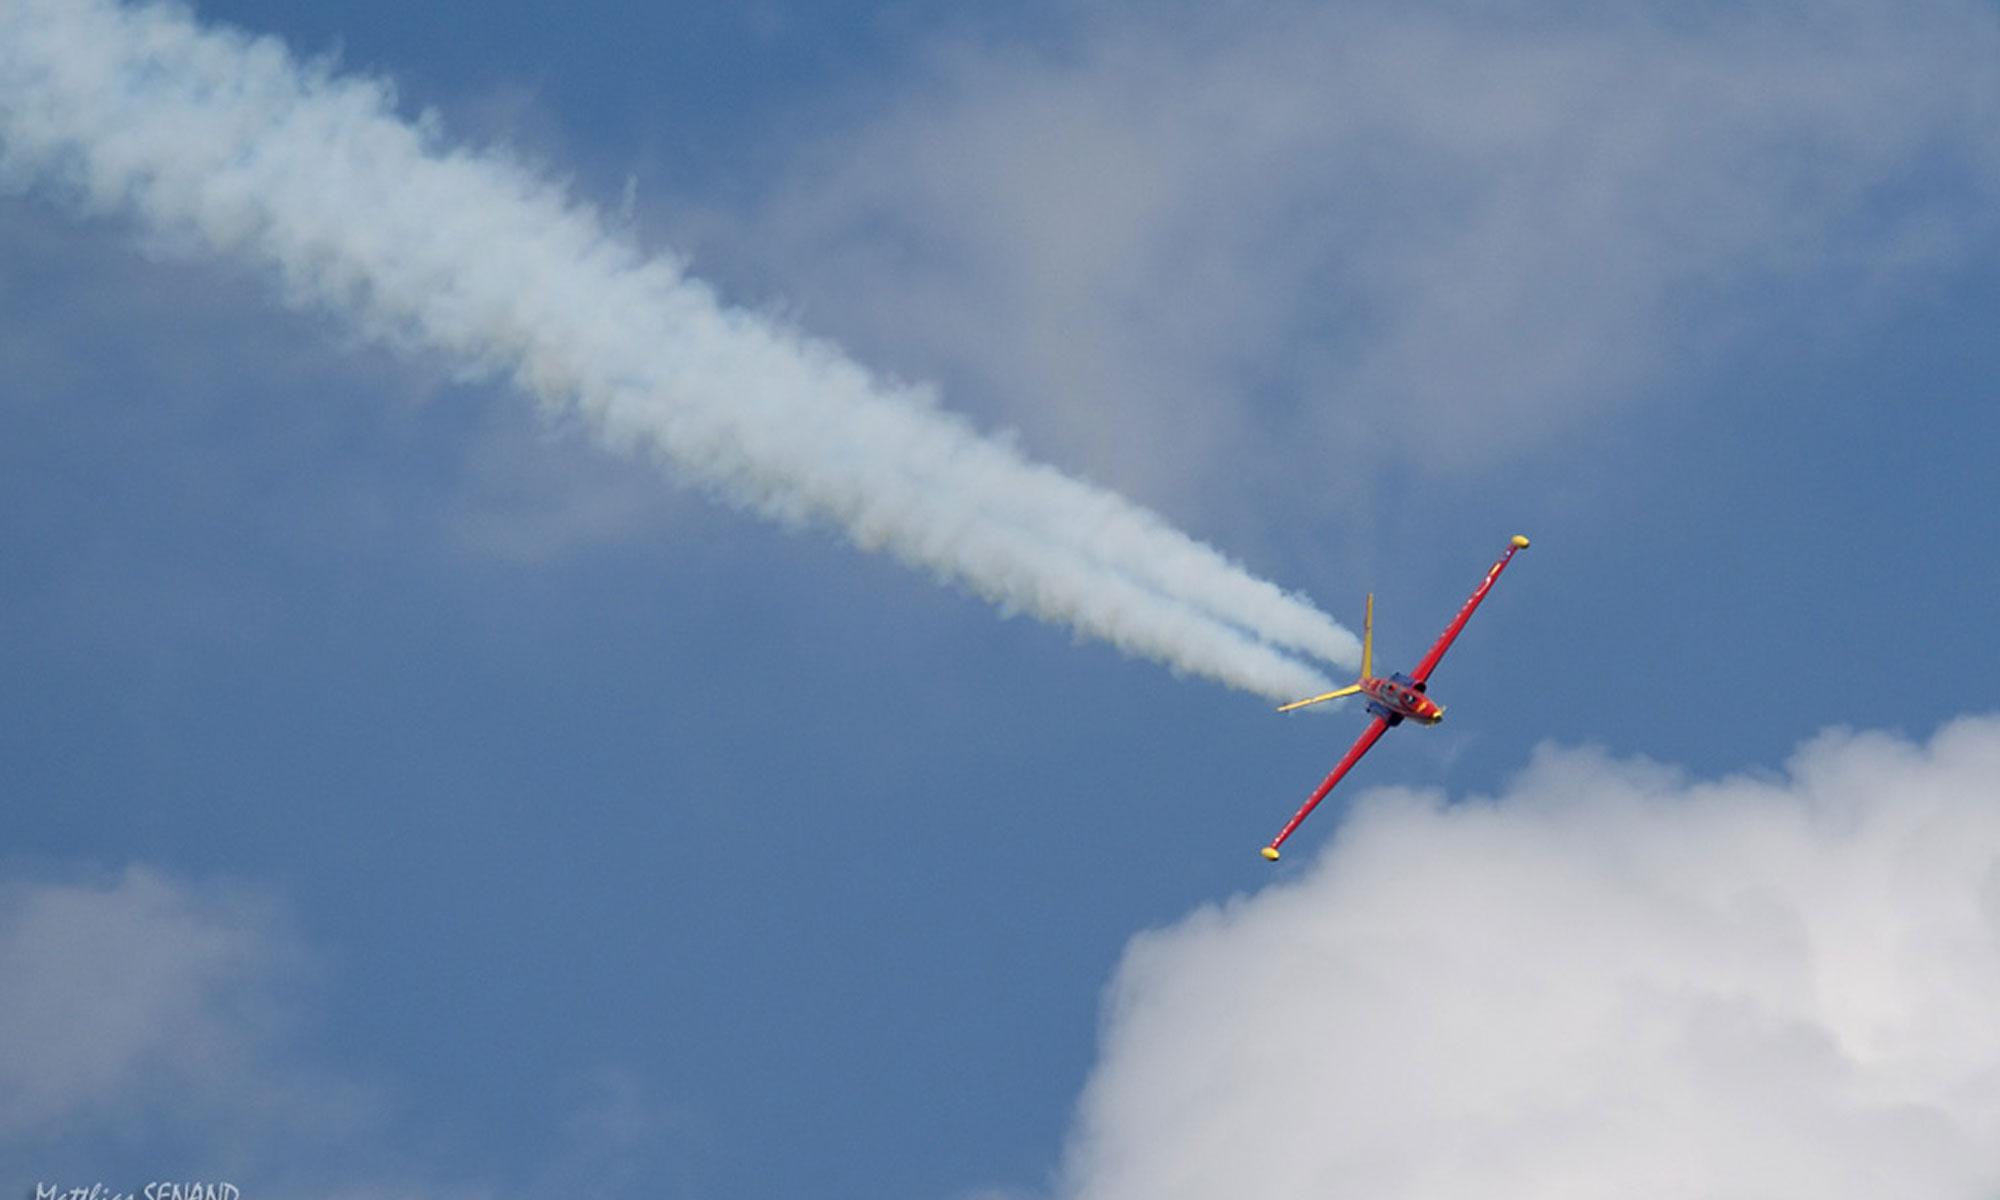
1361	744
1423	672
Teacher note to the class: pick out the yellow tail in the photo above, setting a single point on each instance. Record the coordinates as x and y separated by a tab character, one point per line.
1367	662
1368	638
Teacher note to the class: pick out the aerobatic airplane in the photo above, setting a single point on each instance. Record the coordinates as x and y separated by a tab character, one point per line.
1393	700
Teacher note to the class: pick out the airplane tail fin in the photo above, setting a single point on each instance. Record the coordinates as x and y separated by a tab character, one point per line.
1367	663
1368	638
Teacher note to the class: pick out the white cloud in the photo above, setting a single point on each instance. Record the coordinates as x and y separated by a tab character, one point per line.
150	1020
128	991
1254	248
1609	981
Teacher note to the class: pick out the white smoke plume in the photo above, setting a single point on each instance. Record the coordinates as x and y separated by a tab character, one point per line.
1607	982
227	143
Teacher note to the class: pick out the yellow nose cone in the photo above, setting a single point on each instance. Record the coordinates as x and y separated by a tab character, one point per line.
1271	852
1520	543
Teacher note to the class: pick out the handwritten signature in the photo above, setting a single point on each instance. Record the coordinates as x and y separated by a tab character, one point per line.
152	1191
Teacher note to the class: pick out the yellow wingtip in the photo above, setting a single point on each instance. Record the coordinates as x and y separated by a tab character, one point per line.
1520	543
1271	853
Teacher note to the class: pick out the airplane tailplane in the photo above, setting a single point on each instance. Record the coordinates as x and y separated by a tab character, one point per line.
1346	691
1367	663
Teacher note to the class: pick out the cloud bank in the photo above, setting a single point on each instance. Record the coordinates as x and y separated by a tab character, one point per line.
1262	246
1609	981
223	144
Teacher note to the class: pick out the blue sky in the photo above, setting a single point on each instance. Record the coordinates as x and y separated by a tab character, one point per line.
409	796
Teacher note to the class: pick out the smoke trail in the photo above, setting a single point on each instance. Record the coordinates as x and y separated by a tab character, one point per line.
226	141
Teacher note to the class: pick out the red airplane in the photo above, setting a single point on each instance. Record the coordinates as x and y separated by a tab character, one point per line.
1393	700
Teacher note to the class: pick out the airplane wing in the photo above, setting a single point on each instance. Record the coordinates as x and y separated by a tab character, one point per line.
1423	672
1375	730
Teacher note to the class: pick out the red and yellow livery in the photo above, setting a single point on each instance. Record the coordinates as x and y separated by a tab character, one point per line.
1393	700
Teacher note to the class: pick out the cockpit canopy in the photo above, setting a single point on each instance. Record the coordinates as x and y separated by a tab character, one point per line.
1402	695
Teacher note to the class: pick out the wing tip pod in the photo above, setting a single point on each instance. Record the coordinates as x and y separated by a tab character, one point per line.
1520	542
1270	854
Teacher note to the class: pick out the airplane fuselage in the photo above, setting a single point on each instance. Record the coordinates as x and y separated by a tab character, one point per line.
1399	700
